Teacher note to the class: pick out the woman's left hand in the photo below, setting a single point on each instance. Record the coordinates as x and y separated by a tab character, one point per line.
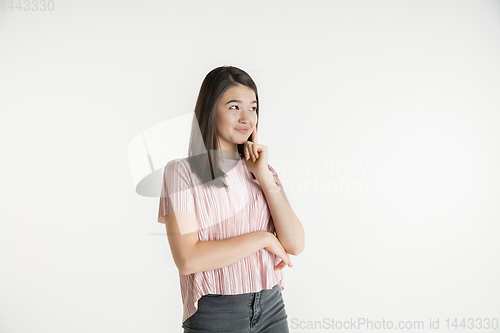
255	155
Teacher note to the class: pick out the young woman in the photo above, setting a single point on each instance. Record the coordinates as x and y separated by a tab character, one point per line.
229	224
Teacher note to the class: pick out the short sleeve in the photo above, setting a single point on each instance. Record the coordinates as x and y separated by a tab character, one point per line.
277	181
176	193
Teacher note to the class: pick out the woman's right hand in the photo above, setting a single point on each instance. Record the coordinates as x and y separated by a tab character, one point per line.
274	246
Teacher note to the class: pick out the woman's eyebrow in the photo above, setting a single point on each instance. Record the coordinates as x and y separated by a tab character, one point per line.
238	101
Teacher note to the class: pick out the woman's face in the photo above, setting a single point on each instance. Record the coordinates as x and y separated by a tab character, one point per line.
236	109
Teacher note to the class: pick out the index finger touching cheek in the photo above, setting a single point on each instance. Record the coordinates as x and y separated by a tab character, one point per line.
254	135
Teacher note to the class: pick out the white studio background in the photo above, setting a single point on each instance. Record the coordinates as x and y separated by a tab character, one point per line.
381	118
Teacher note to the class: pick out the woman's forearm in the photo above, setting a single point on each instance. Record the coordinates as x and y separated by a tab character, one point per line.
208	255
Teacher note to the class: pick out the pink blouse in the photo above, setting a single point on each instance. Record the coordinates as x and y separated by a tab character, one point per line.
222	214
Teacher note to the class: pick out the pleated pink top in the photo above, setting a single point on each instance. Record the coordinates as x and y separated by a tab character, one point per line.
222	214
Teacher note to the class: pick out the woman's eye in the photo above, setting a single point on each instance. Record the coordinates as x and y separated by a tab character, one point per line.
254	108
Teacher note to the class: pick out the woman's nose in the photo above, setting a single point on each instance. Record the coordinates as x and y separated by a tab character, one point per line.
245	116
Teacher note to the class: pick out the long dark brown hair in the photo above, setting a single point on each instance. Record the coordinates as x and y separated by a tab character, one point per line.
203	153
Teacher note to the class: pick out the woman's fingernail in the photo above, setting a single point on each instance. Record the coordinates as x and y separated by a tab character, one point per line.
253	159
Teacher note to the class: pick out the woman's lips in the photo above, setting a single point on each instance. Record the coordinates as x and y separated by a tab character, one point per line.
243	131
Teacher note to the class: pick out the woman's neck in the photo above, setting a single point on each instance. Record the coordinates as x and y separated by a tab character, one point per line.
229	154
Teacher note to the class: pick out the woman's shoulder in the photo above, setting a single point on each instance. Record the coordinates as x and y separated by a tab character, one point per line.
179	162
178	167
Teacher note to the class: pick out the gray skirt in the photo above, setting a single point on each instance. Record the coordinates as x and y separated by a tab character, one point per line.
260	312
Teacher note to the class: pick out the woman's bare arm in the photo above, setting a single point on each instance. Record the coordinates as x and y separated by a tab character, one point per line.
192	255
208	255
